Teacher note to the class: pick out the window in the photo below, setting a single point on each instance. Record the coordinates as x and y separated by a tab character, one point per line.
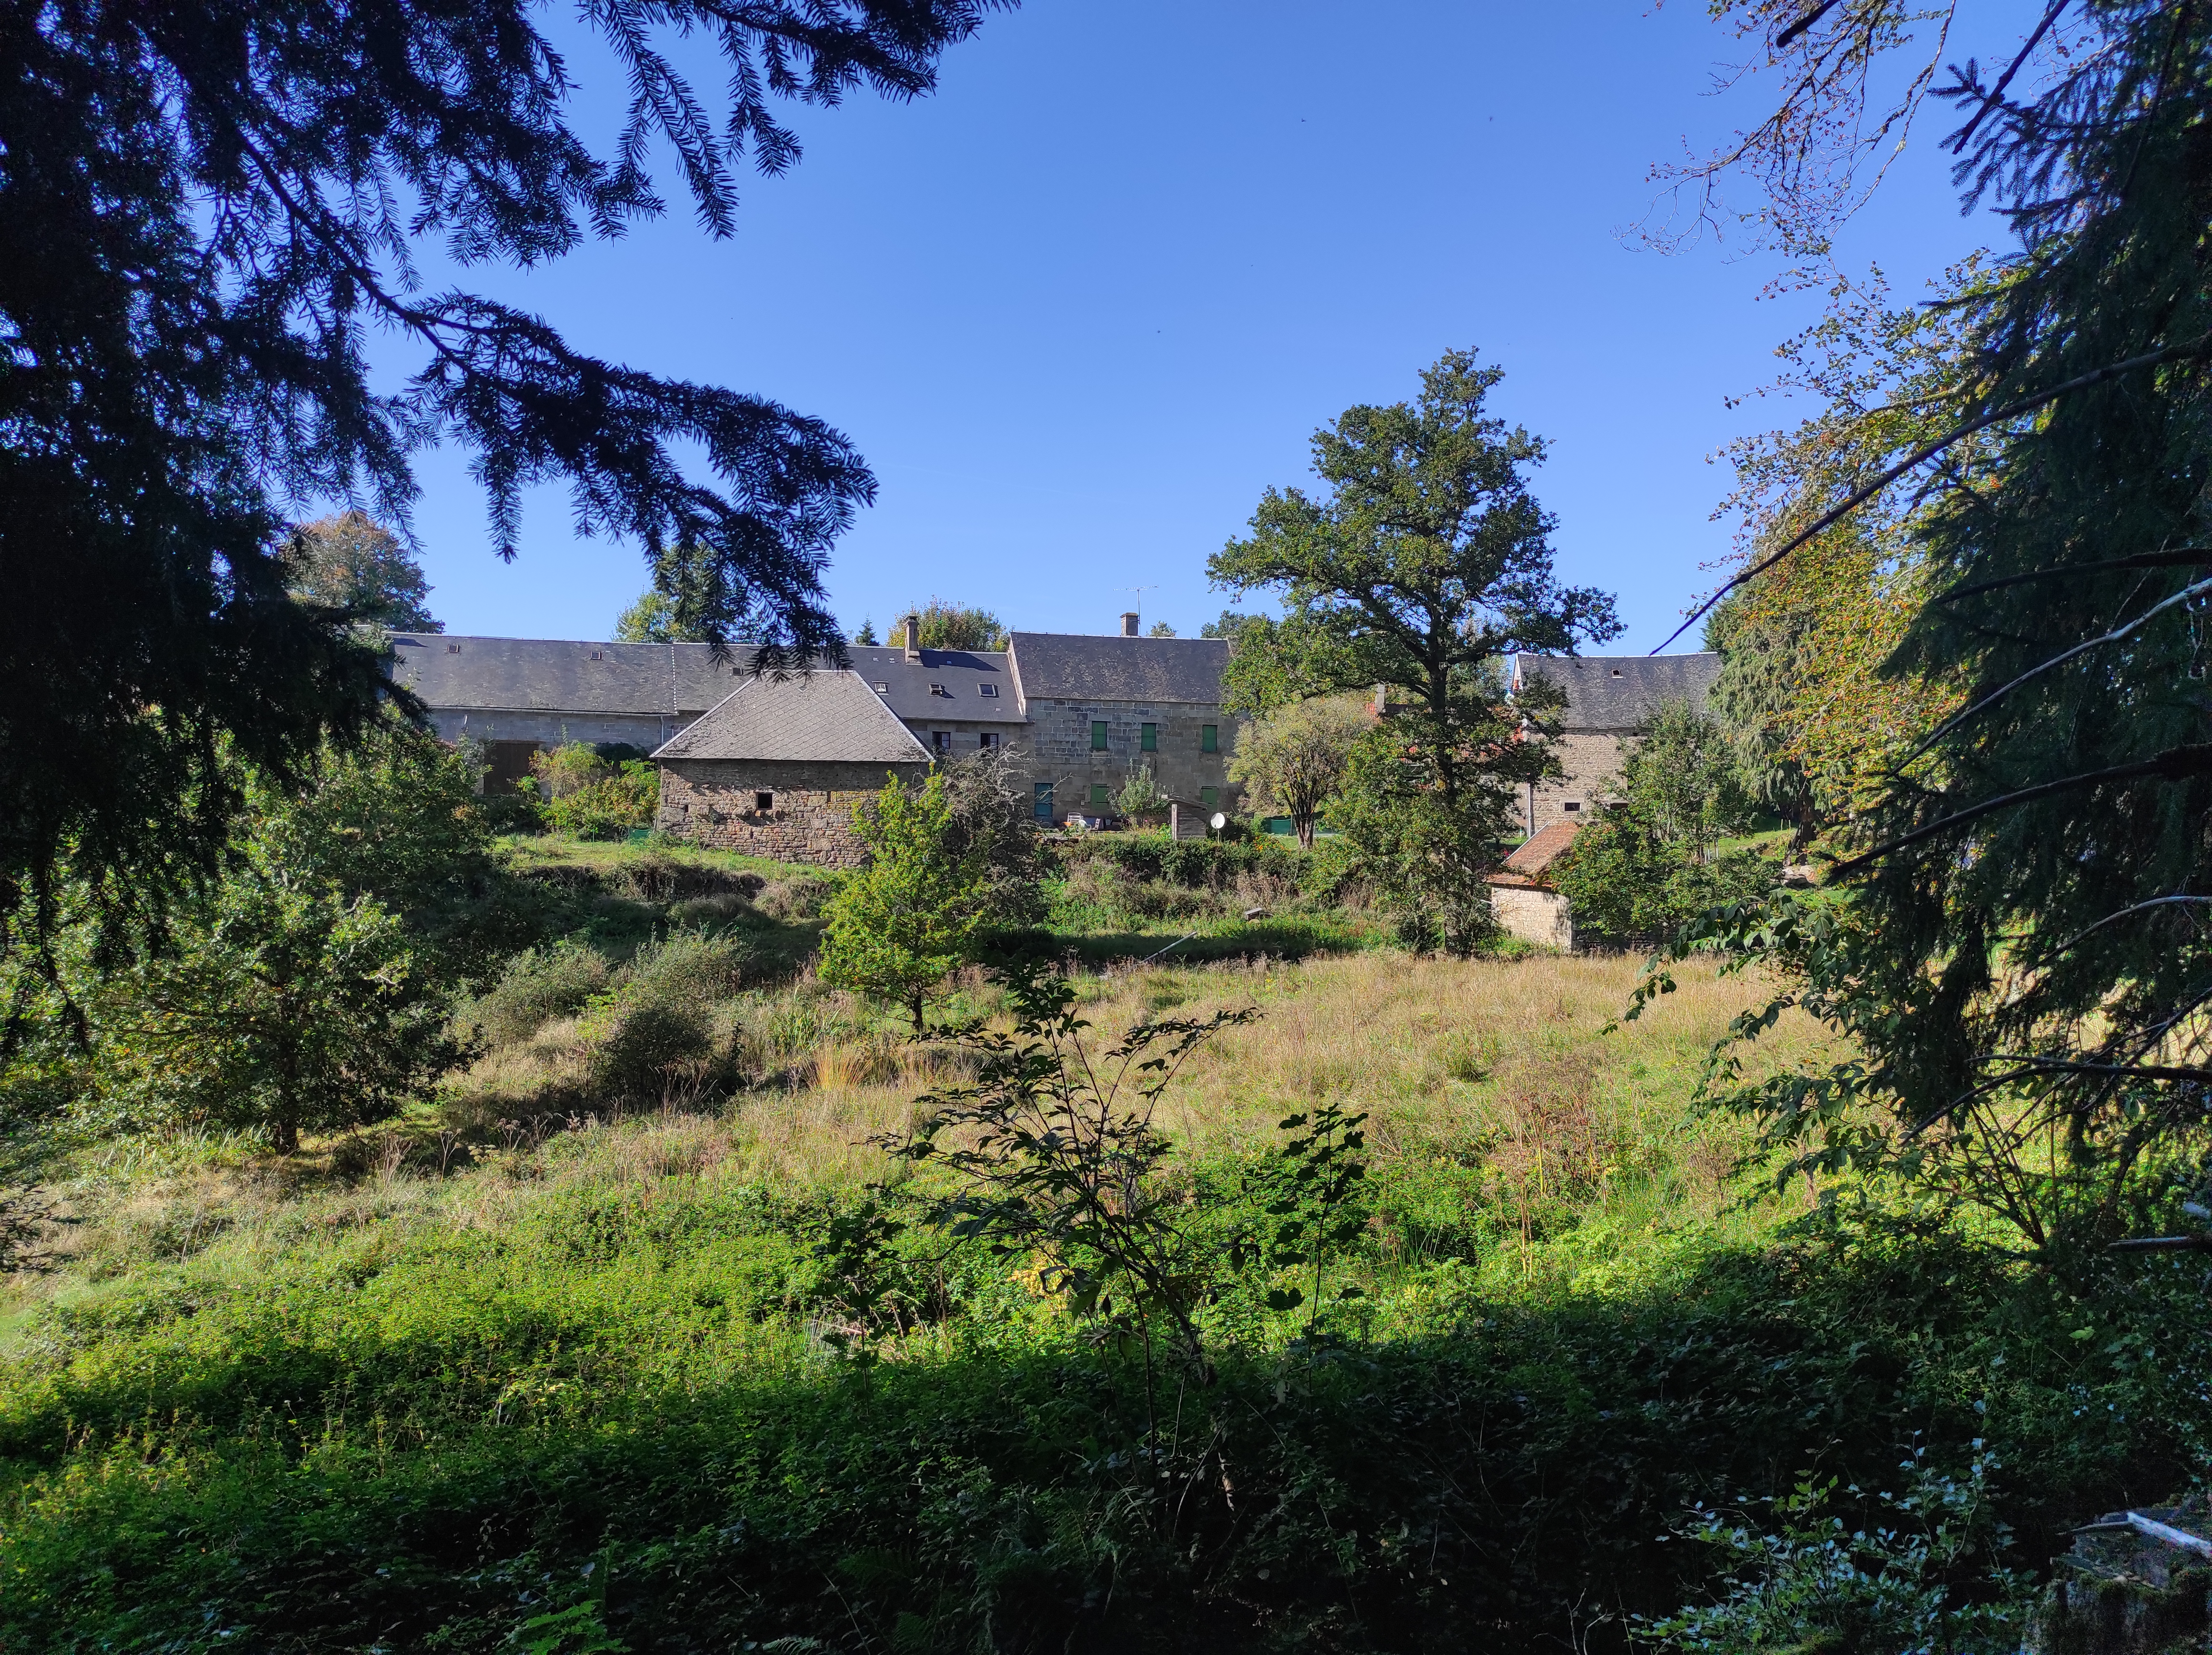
1209	738
1572	804
940	741
1043	807
1098	795
452	649
1099	734
883	689
988	740
1209	796
599	655
1148	737
989	692
763	804
940	689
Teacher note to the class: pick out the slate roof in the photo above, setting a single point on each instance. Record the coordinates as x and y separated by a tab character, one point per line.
1060	666
547	675
1619	692
828	715
1542	849
963	673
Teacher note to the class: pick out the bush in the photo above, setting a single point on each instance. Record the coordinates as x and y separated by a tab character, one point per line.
538	985
645	1046
591	797
794	896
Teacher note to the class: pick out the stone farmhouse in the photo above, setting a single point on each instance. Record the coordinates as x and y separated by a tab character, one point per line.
1609	698
773	765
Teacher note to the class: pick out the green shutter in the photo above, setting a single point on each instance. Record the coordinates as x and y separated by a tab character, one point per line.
1099	794
1209	738
1149	737
1099	734
1209	796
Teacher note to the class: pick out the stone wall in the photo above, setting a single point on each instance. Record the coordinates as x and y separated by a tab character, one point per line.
1534	914
1588	756
809	818
1059	750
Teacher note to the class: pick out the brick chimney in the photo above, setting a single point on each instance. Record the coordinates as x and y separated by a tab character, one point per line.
1129	623
914	637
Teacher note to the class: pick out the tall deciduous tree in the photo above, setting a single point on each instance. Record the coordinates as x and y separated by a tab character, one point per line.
349	564
1426	563
957	626
205	209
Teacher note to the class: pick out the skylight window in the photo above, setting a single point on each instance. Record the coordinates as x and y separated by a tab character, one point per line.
940	689
988	691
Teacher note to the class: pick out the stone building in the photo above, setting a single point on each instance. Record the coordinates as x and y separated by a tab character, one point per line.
1521	894
516	696
775	767
1609	699
1078	712
1099	707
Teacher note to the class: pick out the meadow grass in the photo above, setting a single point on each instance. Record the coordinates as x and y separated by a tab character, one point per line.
605	1379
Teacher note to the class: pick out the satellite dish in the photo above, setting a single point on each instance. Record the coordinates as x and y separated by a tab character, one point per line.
1219	821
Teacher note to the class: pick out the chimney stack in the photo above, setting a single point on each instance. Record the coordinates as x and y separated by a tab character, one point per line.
914	637
1129	623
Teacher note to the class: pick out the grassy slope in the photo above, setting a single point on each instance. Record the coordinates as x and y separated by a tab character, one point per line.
579	1393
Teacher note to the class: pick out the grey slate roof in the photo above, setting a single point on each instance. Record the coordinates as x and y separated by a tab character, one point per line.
830	716
963	673
535	674
1619	692
1060	666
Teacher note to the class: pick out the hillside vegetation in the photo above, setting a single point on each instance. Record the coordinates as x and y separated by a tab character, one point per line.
679	1376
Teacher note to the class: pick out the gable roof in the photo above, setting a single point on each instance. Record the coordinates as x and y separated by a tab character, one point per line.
1065	666
551	674
826	715
1619	692
963	673
1541	850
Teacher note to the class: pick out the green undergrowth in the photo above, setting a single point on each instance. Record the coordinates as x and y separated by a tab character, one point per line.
609	1391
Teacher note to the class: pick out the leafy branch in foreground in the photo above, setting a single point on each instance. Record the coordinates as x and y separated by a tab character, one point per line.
1321	1167
1056	1159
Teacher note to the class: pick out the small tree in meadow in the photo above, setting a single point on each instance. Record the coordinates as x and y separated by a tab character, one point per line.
1292	759
899	925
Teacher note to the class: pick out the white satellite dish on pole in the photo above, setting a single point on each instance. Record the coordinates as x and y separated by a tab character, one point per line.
1219	821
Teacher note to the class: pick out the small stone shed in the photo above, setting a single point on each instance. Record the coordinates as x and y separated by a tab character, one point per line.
775	767
1525	904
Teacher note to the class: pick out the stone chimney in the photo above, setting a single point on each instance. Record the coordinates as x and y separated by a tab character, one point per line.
1129	623
914	637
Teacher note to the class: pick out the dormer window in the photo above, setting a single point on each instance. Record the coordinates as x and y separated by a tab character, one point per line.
599	655
883	689
940	689
452	649
989	692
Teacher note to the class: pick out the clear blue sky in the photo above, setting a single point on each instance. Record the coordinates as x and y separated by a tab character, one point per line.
1080	308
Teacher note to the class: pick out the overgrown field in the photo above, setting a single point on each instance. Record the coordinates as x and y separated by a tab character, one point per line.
681	1381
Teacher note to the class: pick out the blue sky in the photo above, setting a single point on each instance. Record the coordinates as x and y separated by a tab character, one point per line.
1082	306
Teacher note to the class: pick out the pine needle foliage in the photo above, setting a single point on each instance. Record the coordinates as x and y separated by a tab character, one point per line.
205	208
2024	960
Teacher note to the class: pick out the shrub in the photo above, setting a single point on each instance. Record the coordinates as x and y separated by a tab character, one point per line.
696	967
648	1046
591	797
794	896
539	985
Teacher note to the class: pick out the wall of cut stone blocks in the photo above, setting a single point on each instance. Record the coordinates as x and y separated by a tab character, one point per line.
1587	759
1059	750
714	803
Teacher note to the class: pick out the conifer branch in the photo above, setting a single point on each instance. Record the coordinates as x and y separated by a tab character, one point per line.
1927	451
2194	759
